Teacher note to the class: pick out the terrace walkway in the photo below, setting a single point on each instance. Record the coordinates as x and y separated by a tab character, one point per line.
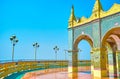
61	74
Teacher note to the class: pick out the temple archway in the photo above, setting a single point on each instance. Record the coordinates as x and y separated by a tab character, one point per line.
102	31
111	46
87	39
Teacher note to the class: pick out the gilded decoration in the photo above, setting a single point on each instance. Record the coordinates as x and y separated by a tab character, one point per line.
97	13
96	57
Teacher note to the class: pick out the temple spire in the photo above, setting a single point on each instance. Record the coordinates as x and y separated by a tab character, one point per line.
72	10
72	16
97	8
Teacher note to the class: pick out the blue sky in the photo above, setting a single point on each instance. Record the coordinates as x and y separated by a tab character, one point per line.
42	21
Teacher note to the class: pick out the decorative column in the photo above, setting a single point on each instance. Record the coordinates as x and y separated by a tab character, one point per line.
96	63
73	64
98	60
104	62
118	62
92	63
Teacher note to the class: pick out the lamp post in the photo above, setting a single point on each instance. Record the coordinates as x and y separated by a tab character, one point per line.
14	40
56	49
35	45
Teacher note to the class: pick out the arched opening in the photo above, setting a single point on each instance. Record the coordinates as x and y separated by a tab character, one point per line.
84	57
84	45
111	44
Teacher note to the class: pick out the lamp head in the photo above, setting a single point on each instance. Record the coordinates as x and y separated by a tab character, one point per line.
11	38
38	46
14	36
17	40
33	45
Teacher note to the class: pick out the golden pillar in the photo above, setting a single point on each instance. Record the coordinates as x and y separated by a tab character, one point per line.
118	62
104	62
92	63
96	63
73	65
99	63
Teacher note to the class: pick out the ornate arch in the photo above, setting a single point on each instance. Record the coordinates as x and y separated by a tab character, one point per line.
112	36
83	37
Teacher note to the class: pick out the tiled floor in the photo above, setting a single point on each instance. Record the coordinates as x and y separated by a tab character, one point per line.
57	74
61	75
64	75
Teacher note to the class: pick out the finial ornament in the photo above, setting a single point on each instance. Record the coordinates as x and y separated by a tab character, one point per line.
72	7
72	10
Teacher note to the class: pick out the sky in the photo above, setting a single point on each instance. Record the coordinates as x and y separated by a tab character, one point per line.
42	21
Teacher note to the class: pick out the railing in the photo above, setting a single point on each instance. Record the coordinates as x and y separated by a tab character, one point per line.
12	67
7	68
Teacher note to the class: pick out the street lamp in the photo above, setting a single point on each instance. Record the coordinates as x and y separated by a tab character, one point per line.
56	49
14	40
35	45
